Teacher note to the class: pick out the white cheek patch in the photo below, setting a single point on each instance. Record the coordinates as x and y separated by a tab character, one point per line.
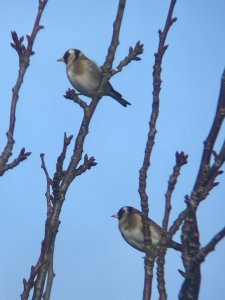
71	51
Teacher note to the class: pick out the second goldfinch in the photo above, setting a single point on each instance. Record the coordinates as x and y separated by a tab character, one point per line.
131	228
85	75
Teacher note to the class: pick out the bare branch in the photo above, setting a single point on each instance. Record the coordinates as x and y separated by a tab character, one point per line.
212	244
190	287
24	54
62	179
160	268
133	55
191	246
51	275
148	149
87	164
211	138
58	176
49	183
29	284
22	156
72	95
205	182
181	159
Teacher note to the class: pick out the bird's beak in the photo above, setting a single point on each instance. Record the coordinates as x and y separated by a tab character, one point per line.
60	59
115	216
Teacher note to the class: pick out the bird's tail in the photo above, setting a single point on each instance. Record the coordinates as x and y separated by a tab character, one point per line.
117	96
175	246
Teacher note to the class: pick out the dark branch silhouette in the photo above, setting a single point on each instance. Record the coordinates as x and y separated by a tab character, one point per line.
205	182
72	95
181	159
24	54
48	183
133	55
150	255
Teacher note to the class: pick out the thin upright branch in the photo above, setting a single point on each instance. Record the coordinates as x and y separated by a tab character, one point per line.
24	54
48	183
160	269
211	138
150	257
181	159
51	275
59	173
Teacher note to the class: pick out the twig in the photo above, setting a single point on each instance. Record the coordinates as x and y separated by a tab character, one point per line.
72	95
178	222
24	54
87	164
181	159
48	182
22	156
107	66
149	146
214	170
29	284
212	244
133	55
59	173
211	138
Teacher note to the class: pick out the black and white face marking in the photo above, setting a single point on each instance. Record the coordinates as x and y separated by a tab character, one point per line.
71	53
126	210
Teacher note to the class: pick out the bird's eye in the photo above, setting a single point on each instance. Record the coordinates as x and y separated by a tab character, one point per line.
120	213
66	56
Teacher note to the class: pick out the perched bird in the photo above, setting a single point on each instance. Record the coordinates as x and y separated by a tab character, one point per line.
131	228
85	75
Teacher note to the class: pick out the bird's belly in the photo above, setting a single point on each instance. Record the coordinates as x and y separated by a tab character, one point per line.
83	84
134	238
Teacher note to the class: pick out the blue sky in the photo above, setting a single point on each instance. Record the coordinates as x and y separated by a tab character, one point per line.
88	241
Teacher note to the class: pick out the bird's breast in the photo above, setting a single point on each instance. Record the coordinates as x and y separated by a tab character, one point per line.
134	237
84	76
83	83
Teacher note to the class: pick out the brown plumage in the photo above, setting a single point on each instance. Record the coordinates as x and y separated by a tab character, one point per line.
85	75
131	228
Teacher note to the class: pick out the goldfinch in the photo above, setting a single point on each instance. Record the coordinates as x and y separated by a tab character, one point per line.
85	75
131	228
